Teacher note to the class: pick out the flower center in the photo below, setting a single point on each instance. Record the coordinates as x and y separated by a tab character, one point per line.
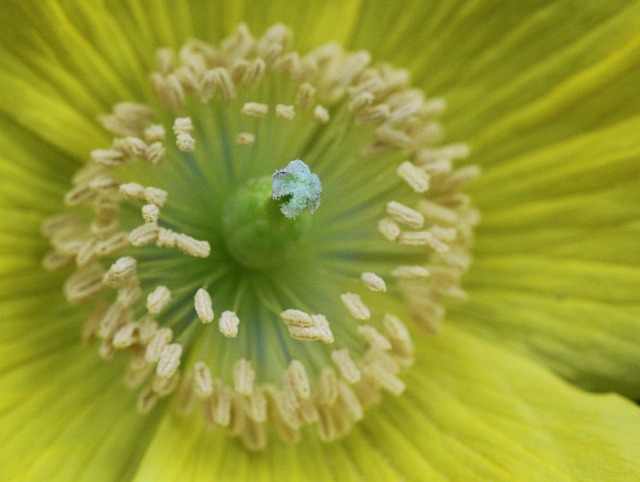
206	208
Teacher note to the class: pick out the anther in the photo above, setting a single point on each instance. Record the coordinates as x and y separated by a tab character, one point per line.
129	292
257	405
243	376
155	346
155	133
355	306
306	327
54	261
410	272
107	157
254	72
345	364
114	317
423	238
296	318
437	213
350	401
166	238
150	213
223	83
373	114
285	112
158	299
147	400
414	176
193	247
203	383
125	336
405	215
127	119
255	109
328	387
182	128
155	196
361	100
164	386
228	324
185	142
154	154
147	329
120	270
169	90
219	404
132	190
374	338
143	235
321	114
384	377
80	194
459	178
169	360
131	147
297	377
203	306
373	282
84	284
245	139
112	244
165	61
305	96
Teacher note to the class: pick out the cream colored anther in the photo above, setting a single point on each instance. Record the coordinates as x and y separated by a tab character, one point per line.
321	114
297	376
155	133
143	235
150	213
202	380
374	338
243	377
245	139
305	96
423	238
158	299
122	269
373	282
405	215
255	109
193	247
228	324
160	339
169	360
410	272
417	178
346	365
355	306
204	306
156	196
132	190
285	112
389	229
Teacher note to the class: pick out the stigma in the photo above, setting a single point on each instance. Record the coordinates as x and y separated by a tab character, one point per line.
198	237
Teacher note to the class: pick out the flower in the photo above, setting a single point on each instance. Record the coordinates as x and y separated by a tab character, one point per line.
543	93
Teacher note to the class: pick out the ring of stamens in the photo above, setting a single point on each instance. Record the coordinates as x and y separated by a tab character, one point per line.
432	221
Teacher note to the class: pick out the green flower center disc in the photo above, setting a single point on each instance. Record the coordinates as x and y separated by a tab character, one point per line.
261	240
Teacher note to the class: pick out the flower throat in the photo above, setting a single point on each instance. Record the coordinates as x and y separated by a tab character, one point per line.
200	239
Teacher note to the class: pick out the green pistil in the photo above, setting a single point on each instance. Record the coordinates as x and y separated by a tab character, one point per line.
268	217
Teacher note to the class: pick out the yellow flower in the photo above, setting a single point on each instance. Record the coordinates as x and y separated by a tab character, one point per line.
515	387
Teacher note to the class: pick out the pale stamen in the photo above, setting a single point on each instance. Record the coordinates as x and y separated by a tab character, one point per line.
203	306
